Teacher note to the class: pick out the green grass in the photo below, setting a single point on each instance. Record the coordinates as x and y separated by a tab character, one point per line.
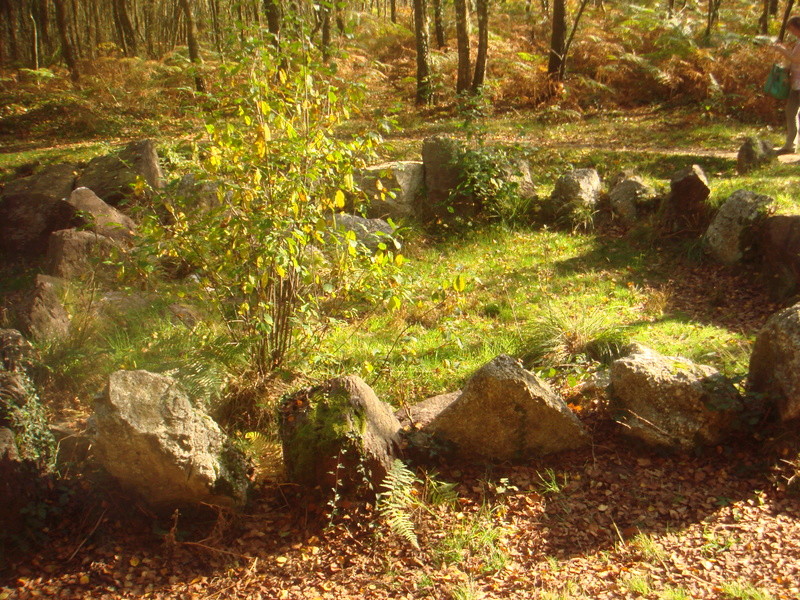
478	540
738	590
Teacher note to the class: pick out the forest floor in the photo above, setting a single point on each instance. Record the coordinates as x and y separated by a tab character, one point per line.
611	521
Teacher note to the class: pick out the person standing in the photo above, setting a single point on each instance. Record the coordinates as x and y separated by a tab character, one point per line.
792	55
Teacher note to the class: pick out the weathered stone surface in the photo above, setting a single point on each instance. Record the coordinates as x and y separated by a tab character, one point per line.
97	216
671	401
421	414
730	235
630	198
72	254
203	194
443	174
73	444
574	196
369	232
754	153
8	446
113	177
685	209
42	316
15	351
150	437
401	183
775	363
32	207
338	436
505	412
779	247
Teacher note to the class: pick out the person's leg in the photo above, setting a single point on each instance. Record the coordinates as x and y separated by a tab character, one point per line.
792	114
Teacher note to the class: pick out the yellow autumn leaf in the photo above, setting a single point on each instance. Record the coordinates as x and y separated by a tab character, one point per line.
338	200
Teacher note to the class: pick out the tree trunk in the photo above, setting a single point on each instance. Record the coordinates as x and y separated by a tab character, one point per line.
438	24
66	47
126	27
557	40
424	91
325	24
272	10
483	46
194	48
462	42
786	14
712	16
393	10
34	40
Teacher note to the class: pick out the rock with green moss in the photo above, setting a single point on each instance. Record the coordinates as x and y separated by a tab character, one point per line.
503	413
671	401
338	437
775	363
731	235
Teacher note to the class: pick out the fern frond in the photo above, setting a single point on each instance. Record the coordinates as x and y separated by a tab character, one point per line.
397	502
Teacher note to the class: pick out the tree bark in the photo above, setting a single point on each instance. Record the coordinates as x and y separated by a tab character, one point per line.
438	24
786	14
66	47
462	41
557	40
272	10
194	48
483	46
325	24
393	10
424	91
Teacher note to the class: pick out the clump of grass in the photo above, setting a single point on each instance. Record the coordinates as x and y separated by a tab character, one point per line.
638	584
650	550
478	541
738	590
560	336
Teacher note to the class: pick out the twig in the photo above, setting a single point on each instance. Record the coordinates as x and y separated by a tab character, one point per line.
91	533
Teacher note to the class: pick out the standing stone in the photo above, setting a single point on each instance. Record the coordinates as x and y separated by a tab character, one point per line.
97	216
775	363
685	209
730	234
506	412
113	177
670	401
630	198
443	174
392	188
32	207
754	153
779	246
369	232
42	315
338	436
72	254
575	196
150	437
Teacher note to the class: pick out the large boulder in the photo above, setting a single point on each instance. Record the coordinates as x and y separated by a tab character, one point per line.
778	239
670	401
731	233
774	372
16	353
392	188
630	198
95	215
755	153
506	412
32	207
575	196
685	210
114	177
72	254
368	232
42	316
442	203
338	436
151	438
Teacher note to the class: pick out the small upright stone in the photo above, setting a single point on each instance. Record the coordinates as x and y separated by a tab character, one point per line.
754	153
506	412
